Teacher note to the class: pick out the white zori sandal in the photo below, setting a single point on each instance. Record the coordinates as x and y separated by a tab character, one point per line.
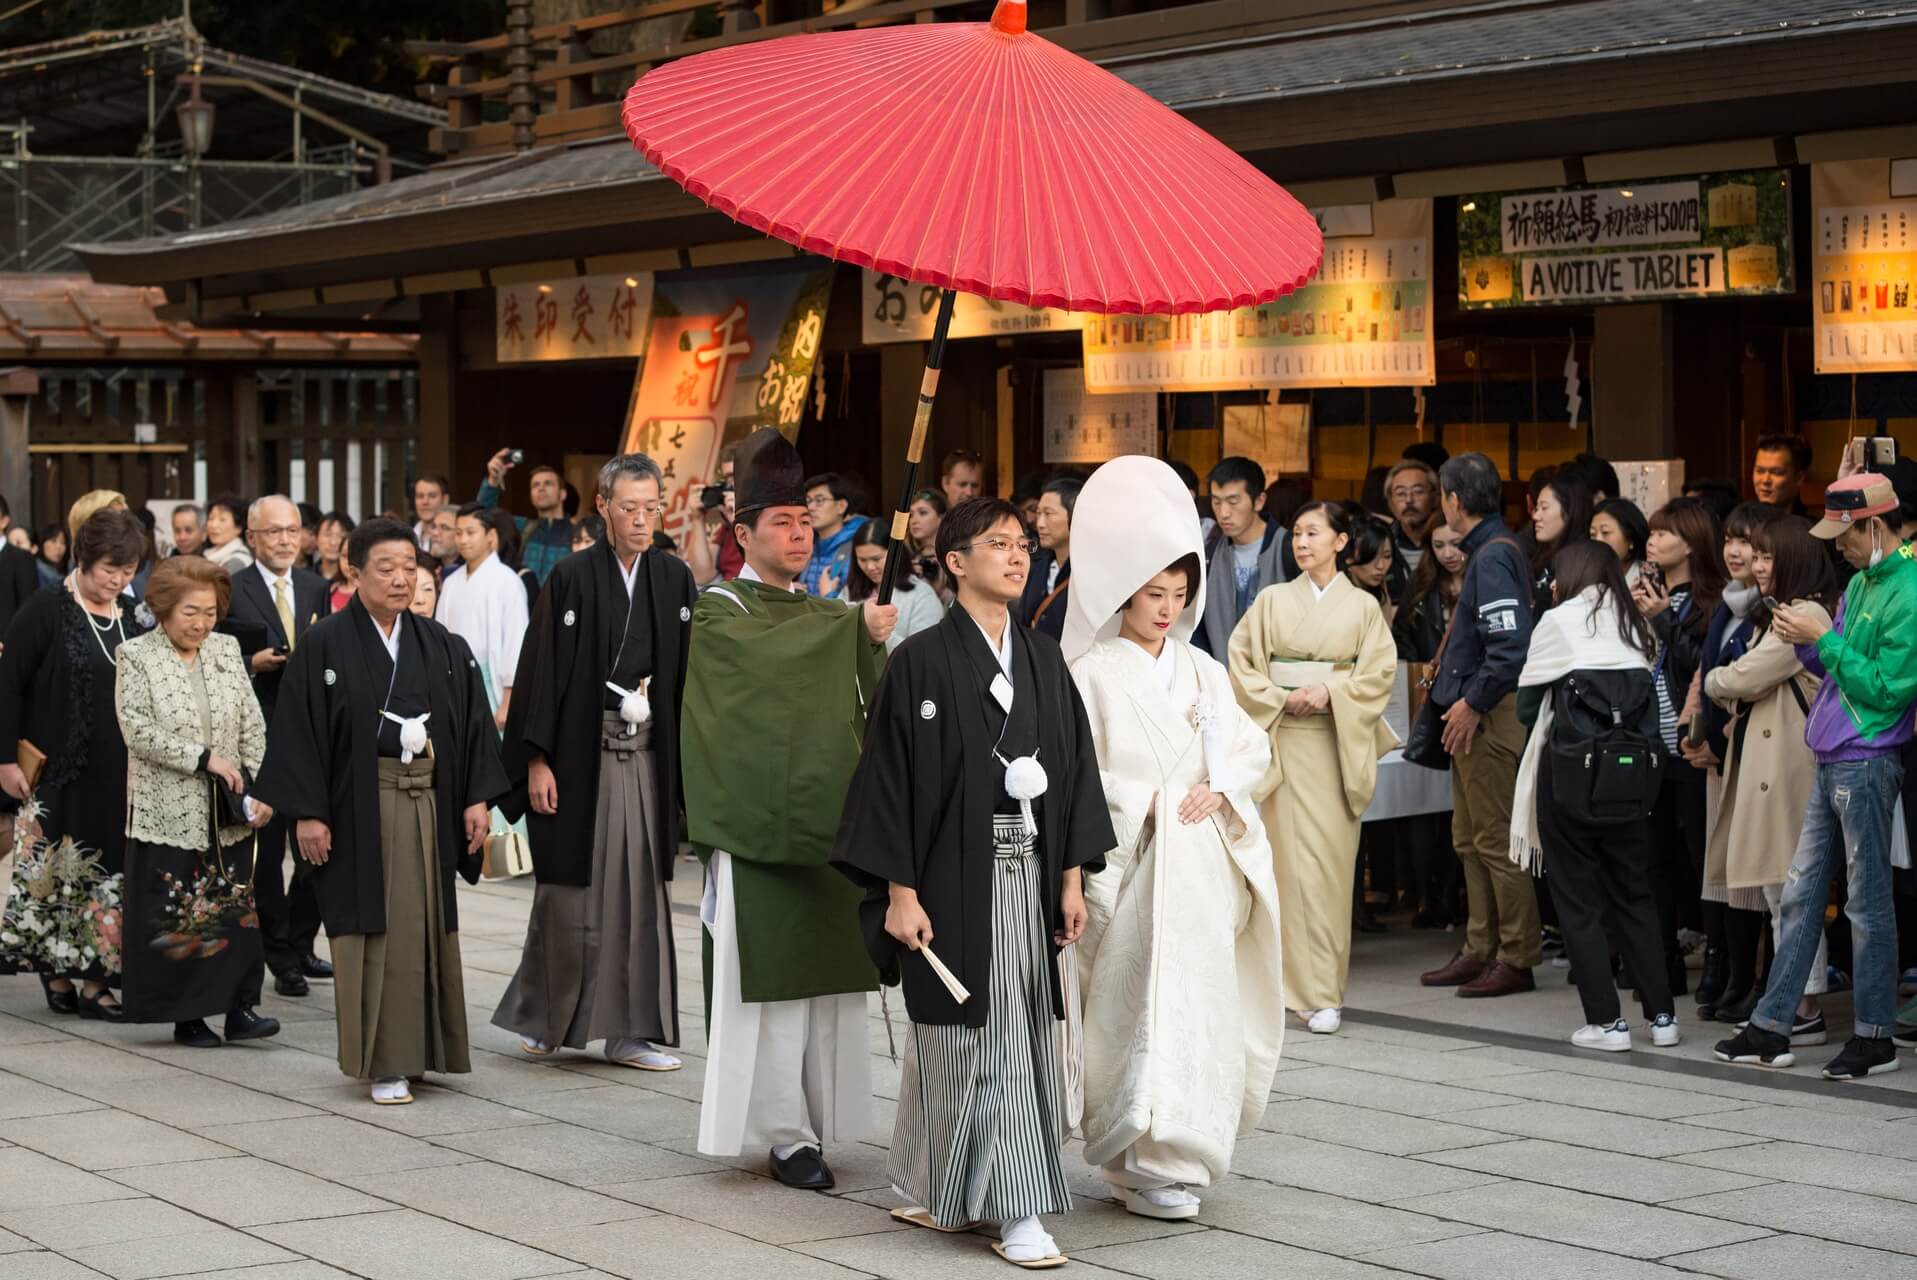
1168	1203
392	1091
1025	1243
639	1055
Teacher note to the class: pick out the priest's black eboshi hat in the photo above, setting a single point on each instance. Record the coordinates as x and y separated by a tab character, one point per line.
766	472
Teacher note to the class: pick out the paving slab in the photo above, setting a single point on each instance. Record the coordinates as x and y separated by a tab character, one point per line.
433	1110
11	1243
661	1246
405	1245
1581	1219
1604	1130
1381	1131
108	1139
1457	1066
1826	1212
1815	1166
333	1146
571	1154
305	1269
1493	1255
247	1192
21	1097
1894	1138
72	1063
46	1266
636	1113
218	1248
1318	1222
1226	1255
1604	1173
30	1180
190	1102
1648	1101
507	1202
18	1031
758	1207
64	1230
916	1255
1348	1172
1389	1093
1797	1256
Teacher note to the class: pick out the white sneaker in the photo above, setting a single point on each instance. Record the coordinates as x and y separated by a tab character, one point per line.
1615	1038
1664	1031
392	1091
640	1055
1323	1022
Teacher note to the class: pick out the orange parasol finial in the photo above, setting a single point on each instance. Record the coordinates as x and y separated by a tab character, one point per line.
1009	17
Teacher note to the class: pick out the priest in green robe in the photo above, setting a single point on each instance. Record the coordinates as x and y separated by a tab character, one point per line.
774	714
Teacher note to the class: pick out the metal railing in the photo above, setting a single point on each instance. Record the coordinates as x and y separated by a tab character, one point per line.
51	201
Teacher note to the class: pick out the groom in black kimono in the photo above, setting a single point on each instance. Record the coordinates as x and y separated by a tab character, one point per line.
383	753
974	813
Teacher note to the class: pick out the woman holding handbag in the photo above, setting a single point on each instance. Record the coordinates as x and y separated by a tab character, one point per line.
194	736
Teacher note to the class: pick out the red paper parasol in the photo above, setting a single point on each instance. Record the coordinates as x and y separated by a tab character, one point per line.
977	157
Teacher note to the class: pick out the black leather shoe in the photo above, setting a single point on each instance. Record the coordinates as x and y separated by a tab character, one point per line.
195	1035
804	1170
244	1024
1367	921
314	967
1711	981
67	1001
291	983
91	1010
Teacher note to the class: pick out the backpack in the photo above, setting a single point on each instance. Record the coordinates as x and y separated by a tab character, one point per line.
1605	755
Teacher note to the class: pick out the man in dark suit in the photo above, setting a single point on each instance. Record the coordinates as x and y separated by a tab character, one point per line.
273	605
19	579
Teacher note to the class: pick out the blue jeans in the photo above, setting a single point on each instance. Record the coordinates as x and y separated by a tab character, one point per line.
1850	813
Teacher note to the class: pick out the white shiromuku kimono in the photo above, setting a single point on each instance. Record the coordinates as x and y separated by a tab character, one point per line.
1323	767
1180	960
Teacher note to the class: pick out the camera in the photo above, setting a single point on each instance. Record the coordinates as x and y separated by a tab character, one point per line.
515	456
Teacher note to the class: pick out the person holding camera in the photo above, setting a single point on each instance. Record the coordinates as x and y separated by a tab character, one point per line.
546	538
194	735
272	605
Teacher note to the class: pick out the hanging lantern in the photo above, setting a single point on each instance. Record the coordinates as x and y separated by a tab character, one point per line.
196	119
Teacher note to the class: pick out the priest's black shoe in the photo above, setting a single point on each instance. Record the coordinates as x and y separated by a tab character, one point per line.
195	1035
314	967
244	1024
291	983
804	1169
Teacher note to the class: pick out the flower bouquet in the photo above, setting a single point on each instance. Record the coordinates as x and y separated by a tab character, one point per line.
63	914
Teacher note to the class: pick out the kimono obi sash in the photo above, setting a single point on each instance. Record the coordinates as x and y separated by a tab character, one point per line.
1301	673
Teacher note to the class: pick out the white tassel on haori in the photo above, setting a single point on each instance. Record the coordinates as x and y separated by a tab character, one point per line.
1025	781
635	708
412	734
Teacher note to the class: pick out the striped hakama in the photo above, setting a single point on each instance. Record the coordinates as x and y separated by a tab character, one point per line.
598	962
980	1117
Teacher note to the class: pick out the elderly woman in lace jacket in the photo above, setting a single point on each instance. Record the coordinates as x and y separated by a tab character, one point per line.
192	727
56	694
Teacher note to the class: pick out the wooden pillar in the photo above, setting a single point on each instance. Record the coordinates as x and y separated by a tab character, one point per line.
438	355
18	388
248	462
1634	401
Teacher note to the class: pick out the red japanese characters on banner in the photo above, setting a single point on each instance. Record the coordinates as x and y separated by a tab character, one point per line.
729	351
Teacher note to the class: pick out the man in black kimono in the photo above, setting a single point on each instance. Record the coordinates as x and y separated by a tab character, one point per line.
273	604
596	703
975	810
383	753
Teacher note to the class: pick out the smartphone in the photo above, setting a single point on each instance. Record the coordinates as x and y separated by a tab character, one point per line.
1873	453
1696	730
515	456
1653	575
1770	602
281	651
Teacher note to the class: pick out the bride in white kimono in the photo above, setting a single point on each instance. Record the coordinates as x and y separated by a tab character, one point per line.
1183	1014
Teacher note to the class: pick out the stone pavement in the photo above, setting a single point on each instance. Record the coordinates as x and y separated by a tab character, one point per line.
1433	1137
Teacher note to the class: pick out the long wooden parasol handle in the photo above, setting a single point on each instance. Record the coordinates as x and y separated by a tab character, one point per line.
921	423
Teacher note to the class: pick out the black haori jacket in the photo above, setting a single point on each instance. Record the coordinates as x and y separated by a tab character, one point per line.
559	696
322	759
920	808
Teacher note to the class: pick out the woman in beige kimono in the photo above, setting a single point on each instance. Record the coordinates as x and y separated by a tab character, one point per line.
1313	662
1180	960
